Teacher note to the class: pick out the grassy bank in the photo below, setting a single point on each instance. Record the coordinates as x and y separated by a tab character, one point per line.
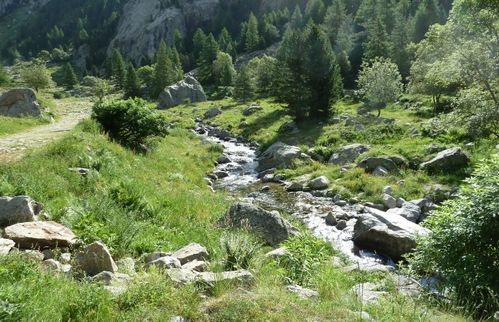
160	201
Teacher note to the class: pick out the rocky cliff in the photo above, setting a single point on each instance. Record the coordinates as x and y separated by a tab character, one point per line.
7	6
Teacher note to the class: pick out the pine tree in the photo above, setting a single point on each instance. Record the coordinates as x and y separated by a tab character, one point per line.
198	42
207	57
178	71
297	18
378	44
223	70
224	40
429	12
315	10
119	69
336	83
245	86
132	88
163	70
336	16
178	41
69	79
252	37
400	38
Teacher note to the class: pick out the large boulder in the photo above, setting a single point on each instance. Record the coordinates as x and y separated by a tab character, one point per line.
348	154
280	155
6	245
386	233
191	252
409	211
19	102
40	234
187	90
14	210
268	225
373	163
450	159
95	258
319	183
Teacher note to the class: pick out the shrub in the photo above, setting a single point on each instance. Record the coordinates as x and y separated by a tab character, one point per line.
130	122
239	250
464	246
305	254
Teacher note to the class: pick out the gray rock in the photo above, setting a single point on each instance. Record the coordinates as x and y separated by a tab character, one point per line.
187	90
302	292
166	262
40	234
389	201
450	159
388	190
6	245
375	205
407	286
279	156
196	265
221	174
52	266
181	276
348	154
319	183
65	258
212	112
400	202
178	319
368	293
223	159
252	110
154	256
268	225
109	278
342	224
126	265
370	164
276	253
242	276
14	210
389	234
19	102
408	210
191	252
295	186
95	258
380	171
31	254
331	219
81	171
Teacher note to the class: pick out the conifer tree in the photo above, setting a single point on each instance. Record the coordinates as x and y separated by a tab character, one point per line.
315	10
245	86
297	18
252	38
378	44
207	57
400	38
224	72
163	70
132	87
119	69
198	42
69	78
224	40
178	71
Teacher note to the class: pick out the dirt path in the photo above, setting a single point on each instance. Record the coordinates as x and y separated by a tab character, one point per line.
15	146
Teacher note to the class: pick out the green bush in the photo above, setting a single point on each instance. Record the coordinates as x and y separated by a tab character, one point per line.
463	248
239	250
130	122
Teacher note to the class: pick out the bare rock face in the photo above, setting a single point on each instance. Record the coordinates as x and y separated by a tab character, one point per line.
7	6
189	90
14	210
40	234
96	258
19	102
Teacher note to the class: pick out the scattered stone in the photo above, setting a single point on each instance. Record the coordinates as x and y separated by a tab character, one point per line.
6	245
191	252
375	205
212	112
368	268
389	201
126	265
341	203
386	233
252	110
95	258
408	210
166	262
400	202
279	156
178	319
319	183
295	186
368	293
223	159
81	171
188	89
19	102
31	254
278	252
450	159
156	255
196	265
221	174
48	254
388	190
342	224
14	210
331	219
289	127
181	276
266	172
380	171
65	258
372	163
348	154
52	266
364	316
279	178
242	276
265	189
40	234
302	292
434	148
267	178
269	225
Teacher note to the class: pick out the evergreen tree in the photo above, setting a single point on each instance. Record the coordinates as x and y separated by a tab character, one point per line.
119	69
378	44
178	71
400	38
132	87
163	70
336	82
198	42
178	41
297	20
315	10
224	72
207	57
245	86
224	40
429	12
252	38
69	78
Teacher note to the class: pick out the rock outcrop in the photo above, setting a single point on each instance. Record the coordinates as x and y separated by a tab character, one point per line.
187	90
14	210
268	225
280	155
19	102
40	234
386	233
450	159
348	154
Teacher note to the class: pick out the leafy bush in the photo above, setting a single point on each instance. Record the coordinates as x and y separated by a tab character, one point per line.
130	122
239	249
305	254
464	246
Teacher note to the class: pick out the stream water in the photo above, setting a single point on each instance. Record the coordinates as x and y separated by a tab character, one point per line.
240	178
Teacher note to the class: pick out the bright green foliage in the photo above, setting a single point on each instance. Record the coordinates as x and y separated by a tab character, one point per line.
163	70
239	250
4	76
118	68
380	82
132	86
101	89
463	248
245	85
252	39
208	56
265	70
69	78
130	122
224	73
304	255
36	76
146	77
